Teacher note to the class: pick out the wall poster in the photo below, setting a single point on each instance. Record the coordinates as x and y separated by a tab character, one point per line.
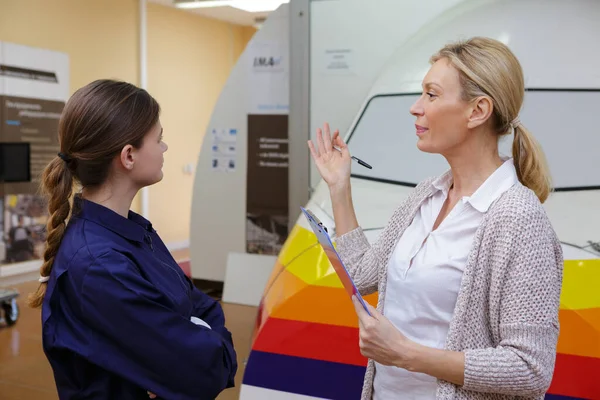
267	183
34	86
223	149
267	158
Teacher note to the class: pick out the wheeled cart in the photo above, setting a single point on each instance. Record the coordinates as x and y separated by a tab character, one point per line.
9	309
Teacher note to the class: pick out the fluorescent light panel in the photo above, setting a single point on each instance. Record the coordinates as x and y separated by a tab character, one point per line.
246	5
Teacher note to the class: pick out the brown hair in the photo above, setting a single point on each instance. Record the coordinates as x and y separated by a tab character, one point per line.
487	67
97	122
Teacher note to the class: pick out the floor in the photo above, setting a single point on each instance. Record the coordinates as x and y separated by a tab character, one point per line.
26	375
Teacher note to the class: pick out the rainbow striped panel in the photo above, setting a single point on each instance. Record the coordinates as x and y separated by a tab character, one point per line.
306	336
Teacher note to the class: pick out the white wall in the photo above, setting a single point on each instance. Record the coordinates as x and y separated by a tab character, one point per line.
218	220
16	55
368	32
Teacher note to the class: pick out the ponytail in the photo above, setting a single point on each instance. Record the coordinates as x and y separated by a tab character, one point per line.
97	122
57	185
530	163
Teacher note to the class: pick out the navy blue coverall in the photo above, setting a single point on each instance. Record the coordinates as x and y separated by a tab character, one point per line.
116	318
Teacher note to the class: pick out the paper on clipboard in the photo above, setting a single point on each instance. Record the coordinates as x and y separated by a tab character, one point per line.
333	256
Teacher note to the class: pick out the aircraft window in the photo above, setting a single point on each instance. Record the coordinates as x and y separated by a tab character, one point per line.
563	121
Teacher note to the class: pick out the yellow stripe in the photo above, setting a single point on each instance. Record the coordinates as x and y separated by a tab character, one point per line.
314	268
297	241
310	264
581	281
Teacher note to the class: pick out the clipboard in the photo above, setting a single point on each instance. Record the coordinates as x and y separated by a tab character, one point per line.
334	258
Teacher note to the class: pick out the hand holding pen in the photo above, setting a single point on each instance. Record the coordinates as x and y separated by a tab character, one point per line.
358	160
332	158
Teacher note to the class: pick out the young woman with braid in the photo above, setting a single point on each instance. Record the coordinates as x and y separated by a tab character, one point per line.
119	317
469	268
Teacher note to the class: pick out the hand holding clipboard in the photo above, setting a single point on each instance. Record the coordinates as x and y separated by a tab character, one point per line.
379	338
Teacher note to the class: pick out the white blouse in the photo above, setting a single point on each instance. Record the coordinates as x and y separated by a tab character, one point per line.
424	276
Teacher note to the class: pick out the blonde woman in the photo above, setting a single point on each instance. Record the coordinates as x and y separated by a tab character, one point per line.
469	268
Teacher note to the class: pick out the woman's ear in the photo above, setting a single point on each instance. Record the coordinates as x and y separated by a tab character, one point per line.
481	110
127	157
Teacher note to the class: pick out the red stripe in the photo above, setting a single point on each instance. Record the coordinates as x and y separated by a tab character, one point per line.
309	340
576	376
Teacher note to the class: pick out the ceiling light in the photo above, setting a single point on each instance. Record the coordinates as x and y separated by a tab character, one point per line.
202	4
246	5
258	5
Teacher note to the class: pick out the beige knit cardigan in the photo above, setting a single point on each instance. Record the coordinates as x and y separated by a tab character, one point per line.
506	315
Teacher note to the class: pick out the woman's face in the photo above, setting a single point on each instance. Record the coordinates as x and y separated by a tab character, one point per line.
149	158
442	115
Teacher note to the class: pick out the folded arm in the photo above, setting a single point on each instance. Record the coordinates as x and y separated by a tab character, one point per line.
210	311
141	340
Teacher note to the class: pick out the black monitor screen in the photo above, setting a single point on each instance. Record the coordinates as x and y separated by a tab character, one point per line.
14	162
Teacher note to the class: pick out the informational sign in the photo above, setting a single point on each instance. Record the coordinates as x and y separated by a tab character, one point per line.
268	77
29	130
223	149
267	183
268	154
34	86
338	62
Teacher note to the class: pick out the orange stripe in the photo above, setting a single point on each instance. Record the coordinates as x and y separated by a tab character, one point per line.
290	298
277	269
284	289
579	332
281	287
322	305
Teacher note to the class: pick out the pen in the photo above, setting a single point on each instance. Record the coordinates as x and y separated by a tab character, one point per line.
358	160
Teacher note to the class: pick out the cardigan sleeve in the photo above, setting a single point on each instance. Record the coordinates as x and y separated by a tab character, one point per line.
522	364
364	260
361	259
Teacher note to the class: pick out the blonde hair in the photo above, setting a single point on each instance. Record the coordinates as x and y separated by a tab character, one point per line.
487	67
